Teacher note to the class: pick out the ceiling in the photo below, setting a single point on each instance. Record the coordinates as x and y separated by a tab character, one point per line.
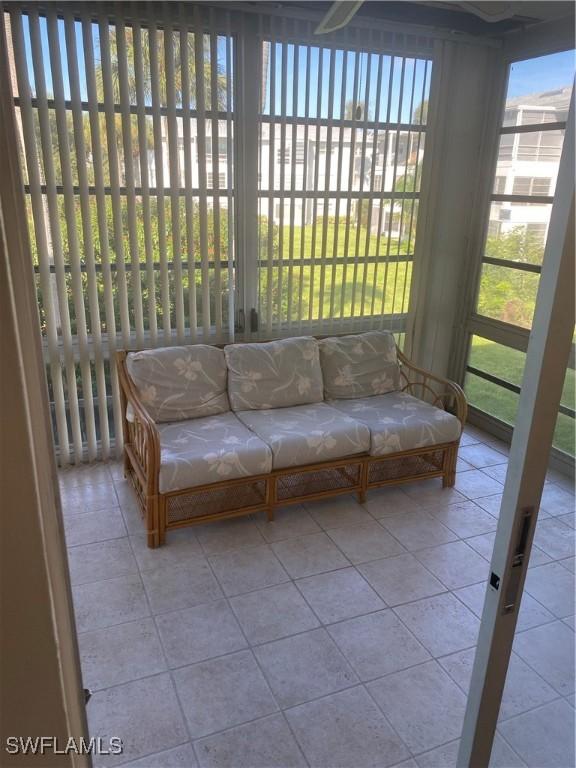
450	16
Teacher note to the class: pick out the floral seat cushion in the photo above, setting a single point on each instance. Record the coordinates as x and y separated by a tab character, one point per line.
274	374
359	365
209	450
180	382
400	422
307	434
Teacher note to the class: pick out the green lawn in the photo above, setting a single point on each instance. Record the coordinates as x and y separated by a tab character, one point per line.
508	364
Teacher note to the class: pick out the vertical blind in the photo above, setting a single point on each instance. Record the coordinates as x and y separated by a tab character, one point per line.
144	219
341	143
127	134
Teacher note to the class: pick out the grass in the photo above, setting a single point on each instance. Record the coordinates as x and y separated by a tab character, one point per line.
508	364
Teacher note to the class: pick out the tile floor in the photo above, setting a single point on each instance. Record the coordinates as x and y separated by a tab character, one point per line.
327	638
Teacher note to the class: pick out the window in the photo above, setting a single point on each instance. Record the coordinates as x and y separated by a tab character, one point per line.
516	235
221	180
527	185
338	209
129	132
131	247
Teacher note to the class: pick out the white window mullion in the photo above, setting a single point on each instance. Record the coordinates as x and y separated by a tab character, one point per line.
271	186
56	233
282	177
316	178
40	231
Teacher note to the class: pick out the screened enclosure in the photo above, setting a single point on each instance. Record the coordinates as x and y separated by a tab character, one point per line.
209	175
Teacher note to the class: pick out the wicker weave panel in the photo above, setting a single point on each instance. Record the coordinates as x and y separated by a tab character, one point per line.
396	468
210	501
306	483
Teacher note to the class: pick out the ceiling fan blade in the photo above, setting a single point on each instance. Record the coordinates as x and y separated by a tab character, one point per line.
489	11
339	14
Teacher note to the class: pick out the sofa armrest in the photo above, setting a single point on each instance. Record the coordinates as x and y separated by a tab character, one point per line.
435	389
141	438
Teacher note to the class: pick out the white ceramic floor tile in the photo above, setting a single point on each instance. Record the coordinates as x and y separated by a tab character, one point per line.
497	472
346	730
549	650
425	707
400	579
289	523
465	519
368	541
225	535
503	756
182	586
181	547
455	564
337	512
475	484
245	570
178	757
377	644
556	500
524	689
553	586
102	560
481	455
484	545
266	743
85	474
222	693
120	654
531	614
339	595
269	614
388	501
544	738
88	498
199	633
441	623
491	503
91	527
416	530
431	493
555	538
308	555
105	603
304	667
144	714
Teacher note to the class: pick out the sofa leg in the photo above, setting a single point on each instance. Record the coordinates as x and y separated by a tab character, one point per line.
270	514
152	522
448	480
361	496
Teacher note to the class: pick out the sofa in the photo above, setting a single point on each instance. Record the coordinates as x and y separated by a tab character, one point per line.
213	432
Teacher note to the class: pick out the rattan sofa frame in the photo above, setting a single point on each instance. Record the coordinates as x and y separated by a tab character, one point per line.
264	493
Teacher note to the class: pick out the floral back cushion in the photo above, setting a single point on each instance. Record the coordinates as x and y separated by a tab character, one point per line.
359	366
177	383
274	374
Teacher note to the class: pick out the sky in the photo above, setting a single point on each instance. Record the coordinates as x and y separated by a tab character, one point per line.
413	79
